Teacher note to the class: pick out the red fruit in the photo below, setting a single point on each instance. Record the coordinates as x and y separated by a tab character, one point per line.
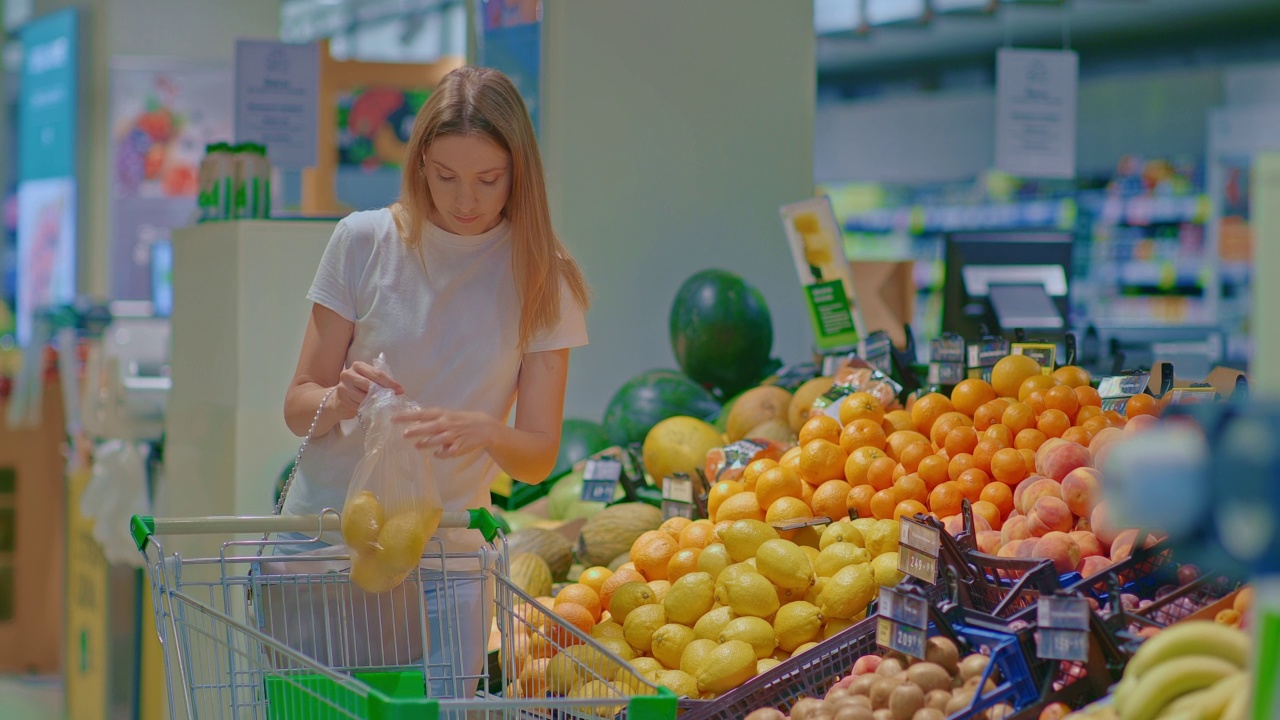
866	664
1082	490
1061	458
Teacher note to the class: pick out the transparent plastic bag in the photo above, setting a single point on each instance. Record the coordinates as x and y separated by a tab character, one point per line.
393	503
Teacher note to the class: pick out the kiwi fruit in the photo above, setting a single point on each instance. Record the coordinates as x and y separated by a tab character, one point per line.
890	667
937	699
973	666
941	651
905	700
766	714
929	676
928	713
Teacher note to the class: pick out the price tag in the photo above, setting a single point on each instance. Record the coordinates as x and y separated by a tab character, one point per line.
600	479
904	622
946	373
918	548
1063	632
1116	404
876	350
1193	396
1044	353
1123	386
987	353
677	497
947	349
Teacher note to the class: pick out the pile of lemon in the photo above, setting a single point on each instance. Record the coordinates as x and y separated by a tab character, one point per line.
384	551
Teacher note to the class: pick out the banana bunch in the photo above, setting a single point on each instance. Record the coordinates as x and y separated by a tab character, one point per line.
1193	670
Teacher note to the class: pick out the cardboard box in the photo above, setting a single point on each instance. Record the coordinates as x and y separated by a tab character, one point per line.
1223	380
886	293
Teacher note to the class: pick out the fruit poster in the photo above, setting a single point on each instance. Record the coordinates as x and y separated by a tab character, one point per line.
374	124
817	246
163	113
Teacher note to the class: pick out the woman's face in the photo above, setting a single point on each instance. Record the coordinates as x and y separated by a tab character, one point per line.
470	180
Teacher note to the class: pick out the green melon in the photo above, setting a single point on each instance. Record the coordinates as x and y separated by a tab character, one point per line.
579	439
650	398
721	332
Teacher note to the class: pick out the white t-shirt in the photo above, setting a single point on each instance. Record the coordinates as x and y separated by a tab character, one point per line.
450	334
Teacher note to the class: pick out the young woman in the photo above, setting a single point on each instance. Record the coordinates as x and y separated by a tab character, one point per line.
466	289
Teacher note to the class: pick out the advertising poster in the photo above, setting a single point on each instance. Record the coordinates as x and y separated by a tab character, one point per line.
511	41
374	124
47	144
817	247
162	116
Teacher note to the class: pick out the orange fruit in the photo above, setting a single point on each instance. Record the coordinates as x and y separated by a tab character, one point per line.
880	472
969	395
533	678
806	494
861	406
1086	413
752	471
1018	417
1010	371
1000	435
1078	434
945	423
1035	401
859	500
913	454
933	471
989	511
859	463
620	578
720	492
972	483
896	420
822	460
820	427
1053	423
911	487
674	525
788	509
571	614
830	499
1072	376
961	439
958	464
775	483
1031	438
928	409
984	452
862	433
1028	459
1142	404
900	440
899	471
1117	420
791	459
645	538
1062	398
580	594
651	559
682	563
743	506
1097	424
698	535
883	503
1033	383
989	414
594	577
1008	466
1000	495
1087	395
945	499
909	508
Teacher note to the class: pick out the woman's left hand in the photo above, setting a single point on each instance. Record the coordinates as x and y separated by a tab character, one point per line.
448	433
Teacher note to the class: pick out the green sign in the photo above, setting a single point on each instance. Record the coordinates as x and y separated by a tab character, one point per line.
47	99
832	319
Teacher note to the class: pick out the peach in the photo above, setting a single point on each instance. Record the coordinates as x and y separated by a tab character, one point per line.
1044	487
1010	549
1082	489
1122	546
1140	423
1093	565
1061	459
1047	515
1015	528
1027	549
866	664
1061	549
1044	449
1100	523
1088	542
953	524
1084	524
980	524
989	541
1105	437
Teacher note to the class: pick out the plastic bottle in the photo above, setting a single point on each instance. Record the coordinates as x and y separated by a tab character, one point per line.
252	182
217	172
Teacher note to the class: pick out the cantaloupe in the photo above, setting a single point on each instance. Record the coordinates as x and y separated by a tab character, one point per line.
555	549
612	532
756	407
531	574
678	445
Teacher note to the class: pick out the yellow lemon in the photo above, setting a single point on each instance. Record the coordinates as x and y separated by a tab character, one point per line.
362	519
679	682
628	597
767	664
641	624
843	531
690	598
883	538
834	626
784	564
606	629
669	642
797	623
839	555
403	538
848	592
713	559
886	570
742	537
695	654
709	625
754	631
727	667
751	594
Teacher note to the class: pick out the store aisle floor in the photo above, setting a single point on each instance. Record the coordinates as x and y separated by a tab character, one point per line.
26	697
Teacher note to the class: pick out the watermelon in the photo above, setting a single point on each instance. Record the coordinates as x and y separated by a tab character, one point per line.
651	397
579	439
721	332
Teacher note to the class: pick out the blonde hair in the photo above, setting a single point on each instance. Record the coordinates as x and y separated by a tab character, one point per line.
484	102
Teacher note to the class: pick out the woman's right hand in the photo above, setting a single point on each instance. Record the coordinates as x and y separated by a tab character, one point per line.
355	382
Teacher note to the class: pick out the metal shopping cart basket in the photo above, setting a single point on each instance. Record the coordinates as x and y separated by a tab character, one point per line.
310	644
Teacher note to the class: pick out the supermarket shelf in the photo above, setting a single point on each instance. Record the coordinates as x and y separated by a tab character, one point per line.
1143	210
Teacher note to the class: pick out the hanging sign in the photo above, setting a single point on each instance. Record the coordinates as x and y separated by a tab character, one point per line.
1036	112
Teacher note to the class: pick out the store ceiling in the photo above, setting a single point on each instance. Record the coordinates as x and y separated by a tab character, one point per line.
1087	21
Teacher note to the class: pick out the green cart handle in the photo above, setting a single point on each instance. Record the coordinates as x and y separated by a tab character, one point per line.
144	527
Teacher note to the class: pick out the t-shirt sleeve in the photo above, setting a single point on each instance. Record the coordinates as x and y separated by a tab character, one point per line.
570	332
338	276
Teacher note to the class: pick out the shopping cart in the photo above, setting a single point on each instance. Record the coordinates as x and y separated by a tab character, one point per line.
240	643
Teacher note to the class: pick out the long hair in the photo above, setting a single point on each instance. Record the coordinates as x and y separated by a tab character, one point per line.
484	102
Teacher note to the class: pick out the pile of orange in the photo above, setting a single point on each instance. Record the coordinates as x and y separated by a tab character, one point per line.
978	444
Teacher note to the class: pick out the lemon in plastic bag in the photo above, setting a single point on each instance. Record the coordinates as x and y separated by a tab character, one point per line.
362	520
402	540
369	574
